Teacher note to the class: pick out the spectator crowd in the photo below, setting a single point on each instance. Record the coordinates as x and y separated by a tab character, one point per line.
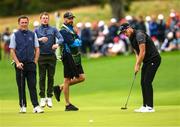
102	39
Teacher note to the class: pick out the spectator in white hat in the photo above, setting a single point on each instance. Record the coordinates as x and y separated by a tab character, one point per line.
148	20
161	28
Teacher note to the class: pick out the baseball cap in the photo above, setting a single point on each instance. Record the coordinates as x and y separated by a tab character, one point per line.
68	15
123	27
160	17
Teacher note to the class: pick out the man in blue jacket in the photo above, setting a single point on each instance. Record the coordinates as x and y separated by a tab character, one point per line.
71	58
25	52
47	36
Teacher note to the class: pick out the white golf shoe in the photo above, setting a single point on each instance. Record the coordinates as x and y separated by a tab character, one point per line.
144	109
38	109
43	102
22	110
148	109
141	109
49	102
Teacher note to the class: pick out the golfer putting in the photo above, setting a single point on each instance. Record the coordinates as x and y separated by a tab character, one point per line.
147	54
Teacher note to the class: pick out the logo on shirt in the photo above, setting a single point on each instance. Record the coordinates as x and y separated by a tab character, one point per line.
141	39
30	39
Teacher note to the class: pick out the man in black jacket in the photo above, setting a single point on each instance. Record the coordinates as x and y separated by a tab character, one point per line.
147	54
71	58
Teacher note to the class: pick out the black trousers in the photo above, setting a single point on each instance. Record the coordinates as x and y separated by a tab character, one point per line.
47	66
147	75
27	74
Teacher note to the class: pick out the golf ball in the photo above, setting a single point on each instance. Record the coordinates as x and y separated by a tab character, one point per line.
90	121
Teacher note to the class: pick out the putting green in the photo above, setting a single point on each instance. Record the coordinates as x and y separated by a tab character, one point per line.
100	97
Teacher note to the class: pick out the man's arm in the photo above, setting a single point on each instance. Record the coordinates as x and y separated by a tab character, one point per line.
140	57
136	54
19	65
12	46
37	52
36	55
60	39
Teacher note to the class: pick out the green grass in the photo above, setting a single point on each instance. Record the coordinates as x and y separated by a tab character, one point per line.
100	97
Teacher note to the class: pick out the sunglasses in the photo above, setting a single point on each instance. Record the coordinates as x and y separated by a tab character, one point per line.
71	18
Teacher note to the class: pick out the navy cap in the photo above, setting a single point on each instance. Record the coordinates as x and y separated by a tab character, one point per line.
68	15
123	27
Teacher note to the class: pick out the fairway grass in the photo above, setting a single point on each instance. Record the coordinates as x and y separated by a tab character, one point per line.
100	97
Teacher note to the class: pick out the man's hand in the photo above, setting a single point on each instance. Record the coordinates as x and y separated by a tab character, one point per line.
55	46
35	61
20	66
136	68
43	39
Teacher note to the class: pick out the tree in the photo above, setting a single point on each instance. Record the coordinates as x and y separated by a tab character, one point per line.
18	7
119	7
9	7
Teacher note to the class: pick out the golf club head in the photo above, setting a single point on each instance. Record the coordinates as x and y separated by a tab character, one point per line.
123	108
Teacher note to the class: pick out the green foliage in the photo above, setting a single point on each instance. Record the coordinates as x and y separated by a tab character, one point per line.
10	7
96	13
155	7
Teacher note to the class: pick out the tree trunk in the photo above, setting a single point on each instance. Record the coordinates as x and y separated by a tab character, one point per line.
117	7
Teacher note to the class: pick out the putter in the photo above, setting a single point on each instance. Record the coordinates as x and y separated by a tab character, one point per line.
125	106
13	63
22	88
